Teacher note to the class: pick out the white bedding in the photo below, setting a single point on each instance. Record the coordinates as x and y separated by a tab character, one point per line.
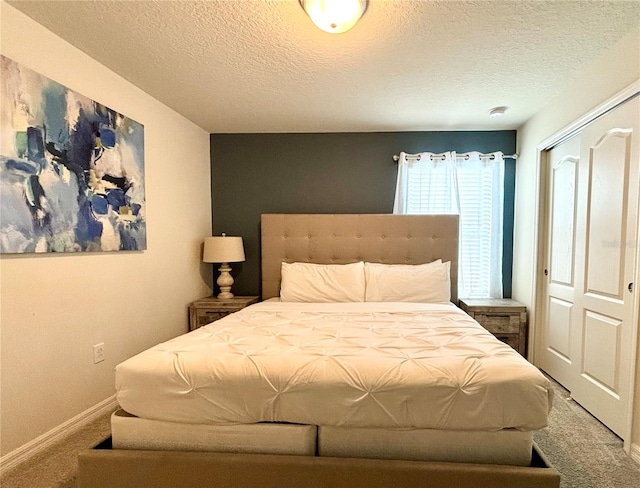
346	364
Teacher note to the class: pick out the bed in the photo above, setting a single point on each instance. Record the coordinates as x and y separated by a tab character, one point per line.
334	386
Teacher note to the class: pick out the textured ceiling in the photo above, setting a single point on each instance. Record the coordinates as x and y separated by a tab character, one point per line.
262	66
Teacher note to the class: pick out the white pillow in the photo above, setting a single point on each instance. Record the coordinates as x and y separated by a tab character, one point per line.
421	283
307	282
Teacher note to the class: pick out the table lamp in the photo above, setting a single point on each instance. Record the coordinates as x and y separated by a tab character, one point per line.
223	249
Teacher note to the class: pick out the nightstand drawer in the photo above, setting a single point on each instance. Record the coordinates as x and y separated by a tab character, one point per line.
497	323
512	339
210	309
506	319
204	317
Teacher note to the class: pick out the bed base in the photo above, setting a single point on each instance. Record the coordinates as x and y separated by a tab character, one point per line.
509	447
107	468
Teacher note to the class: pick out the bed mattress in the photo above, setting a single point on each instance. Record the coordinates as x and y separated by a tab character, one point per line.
349	364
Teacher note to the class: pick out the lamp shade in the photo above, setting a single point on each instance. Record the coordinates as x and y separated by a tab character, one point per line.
223	249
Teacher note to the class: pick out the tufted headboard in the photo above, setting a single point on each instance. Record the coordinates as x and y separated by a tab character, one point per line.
348	238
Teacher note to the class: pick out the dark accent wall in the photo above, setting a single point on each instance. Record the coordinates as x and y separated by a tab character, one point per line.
253	174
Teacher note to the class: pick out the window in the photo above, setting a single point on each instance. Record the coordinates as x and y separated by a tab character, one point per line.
471	185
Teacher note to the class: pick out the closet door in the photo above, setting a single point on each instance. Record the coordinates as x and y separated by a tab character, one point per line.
586	336
558	350
606	249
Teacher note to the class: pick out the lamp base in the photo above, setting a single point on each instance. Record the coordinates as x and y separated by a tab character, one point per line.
225	281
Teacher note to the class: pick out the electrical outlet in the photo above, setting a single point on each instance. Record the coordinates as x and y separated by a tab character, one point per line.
98	353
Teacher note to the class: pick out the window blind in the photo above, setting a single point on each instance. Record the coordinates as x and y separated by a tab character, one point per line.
473	189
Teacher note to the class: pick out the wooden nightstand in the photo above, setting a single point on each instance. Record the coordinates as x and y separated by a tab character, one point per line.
210	309
504	318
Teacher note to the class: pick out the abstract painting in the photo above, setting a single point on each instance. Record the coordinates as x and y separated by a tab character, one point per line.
71	170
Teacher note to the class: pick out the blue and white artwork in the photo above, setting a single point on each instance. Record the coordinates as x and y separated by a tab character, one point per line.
71	170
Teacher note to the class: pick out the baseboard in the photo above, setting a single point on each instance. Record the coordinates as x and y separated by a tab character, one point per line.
635	453
71	426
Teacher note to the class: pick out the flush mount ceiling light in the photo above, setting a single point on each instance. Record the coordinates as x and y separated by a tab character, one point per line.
334	16
497	112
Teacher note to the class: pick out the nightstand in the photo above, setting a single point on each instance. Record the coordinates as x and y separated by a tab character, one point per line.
210	309
504	318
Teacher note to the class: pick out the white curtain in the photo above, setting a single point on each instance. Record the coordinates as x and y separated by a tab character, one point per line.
472	186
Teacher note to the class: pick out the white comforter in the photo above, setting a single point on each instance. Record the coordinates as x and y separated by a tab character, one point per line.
348	364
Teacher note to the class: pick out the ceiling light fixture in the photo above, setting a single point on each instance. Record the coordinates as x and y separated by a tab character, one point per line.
334	16
497	112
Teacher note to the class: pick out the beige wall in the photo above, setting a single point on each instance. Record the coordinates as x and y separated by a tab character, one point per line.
55	307
615	70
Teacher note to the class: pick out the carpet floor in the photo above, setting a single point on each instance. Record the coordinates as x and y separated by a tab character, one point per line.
57	466
586	453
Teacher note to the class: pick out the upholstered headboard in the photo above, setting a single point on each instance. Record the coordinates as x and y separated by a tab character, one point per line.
349	238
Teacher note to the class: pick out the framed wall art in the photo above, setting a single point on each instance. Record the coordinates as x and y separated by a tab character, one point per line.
71	170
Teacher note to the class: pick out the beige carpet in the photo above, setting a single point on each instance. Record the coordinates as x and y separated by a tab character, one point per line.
586	453
56	467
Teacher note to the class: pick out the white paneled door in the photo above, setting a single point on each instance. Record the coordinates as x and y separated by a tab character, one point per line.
558	331
587	335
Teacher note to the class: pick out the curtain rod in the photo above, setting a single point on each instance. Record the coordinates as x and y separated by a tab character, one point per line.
396	158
